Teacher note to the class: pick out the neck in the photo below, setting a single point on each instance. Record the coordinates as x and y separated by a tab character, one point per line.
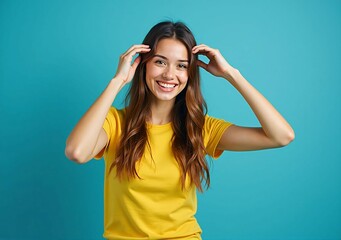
161	112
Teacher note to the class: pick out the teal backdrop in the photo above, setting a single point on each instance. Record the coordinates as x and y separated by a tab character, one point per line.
56	57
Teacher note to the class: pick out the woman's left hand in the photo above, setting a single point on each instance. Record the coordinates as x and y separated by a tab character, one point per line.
217	65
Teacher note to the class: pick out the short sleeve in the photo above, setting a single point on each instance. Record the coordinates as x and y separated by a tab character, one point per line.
112	127
213	131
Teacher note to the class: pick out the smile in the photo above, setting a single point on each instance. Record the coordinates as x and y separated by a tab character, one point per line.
166	85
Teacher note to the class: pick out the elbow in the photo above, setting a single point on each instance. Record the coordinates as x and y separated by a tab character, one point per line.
286	139
75	155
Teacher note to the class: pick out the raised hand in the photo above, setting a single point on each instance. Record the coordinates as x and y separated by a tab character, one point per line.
217	65
126	69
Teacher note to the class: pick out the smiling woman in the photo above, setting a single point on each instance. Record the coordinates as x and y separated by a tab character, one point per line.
155	148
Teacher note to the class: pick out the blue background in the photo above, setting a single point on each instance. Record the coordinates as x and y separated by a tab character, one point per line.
56	57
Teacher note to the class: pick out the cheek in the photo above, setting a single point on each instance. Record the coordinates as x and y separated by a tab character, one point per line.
152	71
183	77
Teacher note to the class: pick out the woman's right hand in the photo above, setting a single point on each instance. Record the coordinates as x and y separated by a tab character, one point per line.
126	70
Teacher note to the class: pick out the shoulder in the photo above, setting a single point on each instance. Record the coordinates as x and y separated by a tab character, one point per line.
214	127
213	130
116	114
213	122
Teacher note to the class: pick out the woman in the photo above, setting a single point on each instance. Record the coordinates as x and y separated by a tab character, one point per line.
155	148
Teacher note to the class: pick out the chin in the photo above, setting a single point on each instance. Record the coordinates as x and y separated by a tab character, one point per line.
165	98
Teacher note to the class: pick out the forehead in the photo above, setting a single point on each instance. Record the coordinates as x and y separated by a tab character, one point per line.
171	48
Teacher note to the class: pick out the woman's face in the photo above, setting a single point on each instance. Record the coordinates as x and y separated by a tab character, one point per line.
167	70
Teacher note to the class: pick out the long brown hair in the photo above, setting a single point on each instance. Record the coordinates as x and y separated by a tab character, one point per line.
188	114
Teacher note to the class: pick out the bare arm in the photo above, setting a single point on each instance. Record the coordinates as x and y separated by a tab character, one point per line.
275	130
88	138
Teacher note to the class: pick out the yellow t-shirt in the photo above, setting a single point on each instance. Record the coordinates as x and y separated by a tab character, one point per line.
155	206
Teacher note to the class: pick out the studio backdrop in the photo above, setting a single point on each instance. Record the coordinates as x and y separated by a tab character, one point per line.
56	57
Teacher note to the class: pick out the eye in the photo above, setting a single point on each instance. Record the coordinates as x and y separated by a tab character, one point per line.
183	66
160	62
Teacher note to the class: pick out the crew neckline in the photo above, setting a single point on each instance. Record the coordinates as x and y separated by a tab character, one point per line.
149	124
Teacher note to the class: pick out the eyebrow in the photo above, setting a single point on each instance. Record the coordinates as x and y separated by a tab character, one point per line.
158	55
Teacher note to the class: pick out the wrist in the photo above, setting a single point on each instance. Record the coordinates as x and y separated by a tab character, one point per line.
230	74
117	82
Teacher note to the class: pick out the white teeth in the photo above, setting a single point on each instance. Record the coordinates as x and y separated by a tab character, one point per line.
166	85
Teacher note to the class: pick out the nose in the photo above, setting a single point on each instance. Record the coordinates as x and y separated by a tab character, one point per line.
168	74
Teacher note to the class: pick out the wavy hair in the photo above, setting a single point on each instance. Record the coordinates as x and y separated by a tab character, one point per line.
188	114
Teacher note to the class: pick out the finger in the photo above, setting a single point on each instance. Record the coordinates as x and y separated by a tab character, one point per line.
137	46
195	48
202	64
142	50
134	49
129	56
133	68
200	45
202	49
136	63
